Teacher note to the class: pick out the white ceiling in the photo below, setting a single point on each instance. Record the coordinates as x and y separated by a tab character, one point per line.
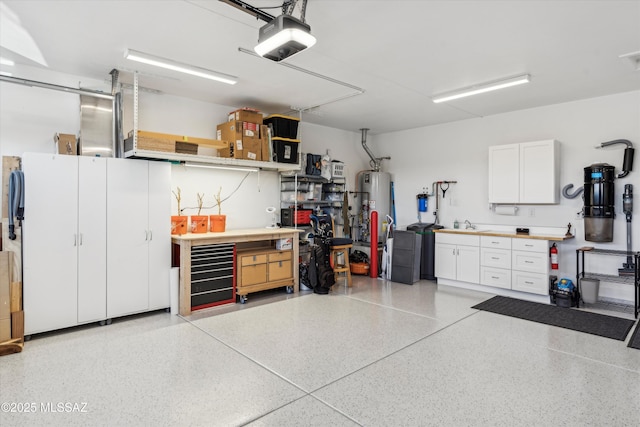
400	53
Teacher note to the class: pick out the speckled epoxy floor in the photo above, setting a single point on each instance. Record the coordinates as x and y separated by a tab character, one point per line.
378	354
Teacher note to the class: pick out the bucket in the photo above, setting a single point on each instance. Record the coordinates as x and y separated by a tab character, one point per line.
589	289
178	224
218	223
199	223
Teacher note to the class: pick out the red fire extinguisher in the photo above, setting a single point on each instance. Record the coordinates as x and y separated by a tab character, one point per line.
554	257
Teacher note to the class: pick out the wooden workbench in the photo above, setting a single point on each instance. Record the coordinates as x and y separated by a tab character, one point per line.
187	241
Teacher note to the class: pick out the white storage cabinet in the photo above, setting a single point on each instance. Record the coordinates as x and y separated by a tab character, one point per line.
64	241
525	173
139	236
457	257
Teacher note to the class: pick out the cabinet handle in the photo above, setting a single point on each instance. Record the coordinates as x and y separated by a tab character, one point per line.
146	235
528	283
75	240
528	246
494	277
494	257
528	262
150	235
80	239
458	251
495	243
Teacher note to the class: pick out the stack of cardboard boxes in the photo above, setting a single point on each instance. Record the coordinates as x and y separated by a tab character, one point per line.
245	135
11	314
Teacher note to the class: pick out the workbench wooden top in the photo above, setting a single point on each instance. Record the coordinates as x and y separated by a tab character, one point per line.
242	233
557	238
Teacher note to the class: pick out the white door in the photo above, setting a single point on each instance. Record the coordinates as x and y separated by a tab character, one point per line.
445	261
50	239
468	266
92	239
160	234
504	166
127	237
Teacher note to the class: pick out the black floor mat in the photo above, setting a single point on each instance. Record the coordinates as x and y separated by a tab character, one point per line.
634	342
591	323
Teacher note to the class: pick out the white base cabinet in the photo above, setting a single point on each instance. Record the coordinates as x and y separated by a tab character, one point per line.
457	257
96	239
510	264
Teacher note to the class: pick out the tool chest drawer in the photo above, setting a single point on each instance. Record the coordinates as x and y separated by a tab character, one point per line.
500	258
495	242
253	259
212	275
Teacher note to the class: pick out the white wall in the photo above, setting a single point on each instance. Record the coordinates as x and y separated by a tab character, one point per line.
29	117
458	152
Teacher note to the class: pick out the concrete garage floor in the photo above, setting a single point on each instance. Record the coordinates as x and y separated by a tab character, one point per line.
376	354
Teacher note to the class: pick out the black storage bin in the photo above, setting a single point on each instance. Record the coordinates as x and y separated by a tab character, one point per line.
427	257
282	126
285	150
405	262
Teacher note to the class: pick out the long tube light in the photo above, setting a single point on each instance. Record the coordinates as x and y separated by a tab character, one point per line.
230	168
482	88
169	64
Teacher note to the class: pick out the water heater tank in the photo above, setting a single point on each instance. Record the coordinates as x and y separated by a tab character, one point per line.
377	185
599	202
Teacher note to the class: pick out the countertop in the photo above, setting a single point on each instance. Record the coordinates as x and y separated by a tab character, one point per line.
557	238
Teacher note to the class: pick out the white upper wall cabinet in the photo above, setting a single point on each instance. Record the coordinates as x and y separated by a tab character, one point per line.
525	173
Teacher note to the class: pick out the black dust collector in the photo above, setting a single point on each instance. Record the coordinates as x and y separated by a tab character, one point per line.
599	202
599	195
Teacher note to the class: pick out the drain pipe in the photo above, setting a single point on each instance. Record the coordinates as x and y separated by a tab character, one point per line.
375	161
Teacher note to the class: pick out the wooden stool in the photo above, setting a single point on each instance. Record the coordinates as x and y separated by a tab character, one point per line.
341	268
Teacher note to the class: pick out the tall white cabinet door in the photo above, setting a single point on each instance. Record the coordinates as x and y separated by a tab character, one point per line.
445	261
160	234
92	239
49	242
127	237
539	173
504	175
468	267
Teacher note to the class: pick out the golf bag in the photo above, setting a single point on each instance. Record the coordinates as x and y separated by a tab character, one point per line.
321	277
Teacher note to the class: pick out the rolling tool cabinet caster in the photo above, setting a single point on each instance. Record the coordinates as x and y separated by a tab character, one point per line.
242	299
289	289
108	321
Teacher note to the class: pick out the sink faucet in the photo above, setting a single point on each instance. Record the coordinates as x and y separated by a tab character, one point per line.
468	225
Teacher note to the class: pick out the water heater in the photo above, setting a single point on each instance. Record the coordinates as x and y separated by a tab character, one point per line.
599	202
377	189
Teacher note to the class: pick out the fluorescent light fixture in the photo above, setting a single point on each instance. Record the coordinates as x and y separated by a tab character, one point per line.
169	64
633	58
6	61
283	37
229	168
482	88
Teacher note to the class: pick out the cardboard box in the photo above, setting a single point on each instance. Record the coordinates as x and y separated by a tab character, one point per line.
233	150
252	149
250	115
6	277
67	143
5	329
165	142
17	324
234	131
186	147
284	244
16	296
